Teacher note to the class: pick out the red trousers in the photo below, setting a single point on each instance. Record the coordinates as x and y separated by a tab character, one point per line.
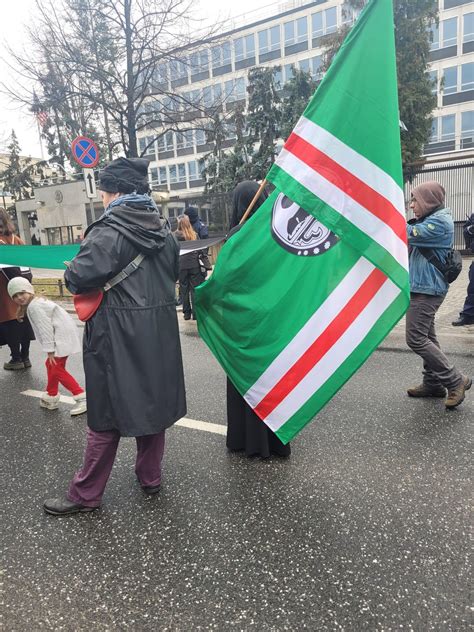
57	375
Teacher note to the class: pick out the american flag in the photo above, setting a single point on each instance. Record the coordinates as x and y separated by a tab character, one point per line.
42	118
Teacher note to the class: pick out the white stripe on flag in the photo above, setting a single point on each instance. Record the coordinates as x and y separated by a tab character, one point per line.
345	205
319	321
352	161
333	359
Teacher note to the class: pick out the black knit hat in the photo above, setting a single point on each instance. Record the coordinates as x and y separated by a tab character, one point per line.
125	175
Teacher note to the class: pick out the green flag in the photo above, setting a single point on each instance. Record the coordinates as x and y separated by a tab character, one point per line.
38	256
316	279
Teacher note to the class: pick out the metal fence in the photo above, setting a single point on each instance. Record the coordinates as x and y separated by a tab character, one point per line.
458	180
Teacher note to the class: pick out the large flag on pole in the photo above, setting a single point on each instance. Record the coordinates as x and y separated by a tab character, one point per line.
316	279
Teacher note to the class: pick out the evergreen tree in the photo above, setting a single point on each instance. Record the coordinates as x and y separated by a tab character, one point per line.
263	119
296	94
16	178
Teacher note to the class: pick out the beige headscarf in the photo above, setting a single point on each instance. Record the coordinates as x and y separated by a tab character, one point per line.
430	196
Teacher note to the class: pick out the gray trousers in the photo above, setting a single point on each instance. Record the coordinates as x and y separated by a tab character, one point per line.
421	338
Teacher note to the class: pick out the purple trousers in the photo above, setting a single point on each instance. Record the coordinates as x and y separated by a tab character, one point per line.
88	485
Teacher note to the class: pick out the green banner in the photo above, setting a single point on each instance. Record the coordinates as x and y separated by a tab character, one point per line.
52	257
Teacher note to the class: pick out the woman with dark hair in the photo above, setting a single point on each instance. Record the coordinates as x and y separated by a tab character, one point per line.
17	335
245	430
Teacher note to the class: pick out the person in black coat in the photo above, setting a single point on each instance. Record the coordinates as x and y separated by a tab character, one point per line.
245	430
466	316
132	354
190	275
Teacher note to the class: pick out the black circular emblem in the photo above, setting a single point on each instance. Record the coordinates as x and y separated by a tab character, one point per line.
297	231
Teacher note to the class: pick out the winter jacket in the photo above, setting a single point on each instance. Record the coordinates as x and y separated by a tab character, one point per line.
54	329
132	353
436	231
190	261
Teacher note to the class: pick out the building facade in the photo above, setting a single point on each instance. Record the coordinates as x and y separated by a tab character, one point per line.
293	37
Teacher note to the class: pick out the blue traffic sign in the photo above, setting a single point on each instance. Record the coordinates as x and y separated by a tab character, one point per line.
85	152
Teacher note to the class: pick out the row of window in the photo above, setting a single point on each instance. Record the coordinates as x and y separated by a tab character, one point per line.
454	78
444	129
172	174
247	47
157	112
446	32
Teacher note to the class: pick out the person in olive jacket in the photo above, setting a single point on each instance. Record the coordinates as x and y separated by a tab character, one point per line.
132	354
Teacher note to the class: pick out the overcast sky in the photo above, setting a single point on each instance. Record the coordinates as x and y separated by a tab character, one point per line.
17	13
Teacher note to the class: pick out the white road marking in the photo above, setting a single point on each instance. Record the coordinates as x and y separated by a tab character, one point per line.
185	422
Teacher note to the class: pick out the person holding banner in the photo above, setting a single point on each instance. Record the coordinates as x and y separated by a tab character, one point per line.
17	335
245	430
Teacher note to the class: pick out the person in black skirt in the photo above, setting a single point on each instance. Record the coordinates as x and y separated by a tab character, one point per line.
17	335
245	430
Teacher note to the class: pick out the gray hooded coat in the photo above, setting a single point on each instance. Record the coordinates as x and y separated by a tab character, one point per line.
132	353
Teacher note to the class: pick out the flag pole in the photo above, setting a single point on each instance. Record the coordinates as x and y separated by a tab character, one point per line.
252	203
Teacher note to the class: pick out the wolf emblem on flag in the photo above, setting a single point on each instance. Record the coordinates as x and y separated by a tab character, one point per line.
297	231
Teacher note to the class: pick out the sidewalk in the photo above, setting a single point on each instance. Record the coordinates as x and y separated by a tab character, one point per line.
459	340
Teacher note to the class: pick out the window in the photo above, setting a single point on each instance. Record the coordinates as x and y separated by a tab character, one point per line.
200	137
244	47
324	22
146	146
448	127
181	172
173	174
194	172
467	129
348	14
434	130
235	90
296	31
165	142
450	32
434	37
433	75
199	62
179	69
467	76
221	55
153	173
450	80
161	74
468	31
269	40
162	176
277	77
289	71
304	65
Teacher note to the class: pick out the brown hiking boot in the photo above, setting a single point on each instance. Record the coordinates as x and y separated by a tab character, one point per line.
427	391
456	395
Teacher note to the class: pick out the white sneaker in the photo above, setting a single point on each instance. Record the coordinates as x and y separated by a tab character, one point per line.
81	405
51	402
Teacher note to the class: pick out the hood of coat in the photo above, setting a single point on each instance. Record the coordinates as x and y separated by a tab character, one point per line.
142	226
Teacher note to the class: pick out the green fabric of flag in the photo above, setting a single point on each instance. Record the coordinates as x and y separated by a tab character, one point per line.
51	257
316	279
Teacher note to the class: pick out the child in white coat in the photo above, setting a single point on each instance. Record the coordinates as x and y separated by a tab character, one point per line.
57	333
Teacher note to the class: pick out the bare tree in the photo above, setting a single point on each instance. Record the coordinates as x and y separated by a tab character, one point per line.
110	66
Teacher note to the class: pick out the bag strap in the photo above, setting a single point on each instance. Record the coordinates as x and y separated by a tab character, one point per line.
429	254
126	272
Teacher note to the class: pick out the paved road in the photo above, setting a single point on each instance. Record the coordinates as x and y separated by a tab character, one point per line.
365	527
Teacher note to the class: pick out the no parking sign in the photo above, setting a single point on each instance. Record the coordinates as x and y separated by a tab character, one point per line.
85	152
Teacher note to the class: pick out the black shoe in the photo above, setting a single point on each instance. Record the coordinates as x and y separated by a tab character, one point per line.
14	365
27	363
151	490
64	507
187	317
463	320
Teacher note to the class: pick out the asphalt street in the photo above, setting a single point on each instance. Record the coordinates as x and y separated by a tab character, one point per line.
364	527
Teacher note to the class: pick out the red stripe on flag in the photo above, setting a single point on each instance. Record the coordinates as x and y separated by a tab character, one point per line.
322	344
350	184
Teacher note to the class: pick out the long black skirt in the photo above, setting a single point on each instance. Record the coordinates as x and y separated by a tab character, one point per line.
246	431
13	333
